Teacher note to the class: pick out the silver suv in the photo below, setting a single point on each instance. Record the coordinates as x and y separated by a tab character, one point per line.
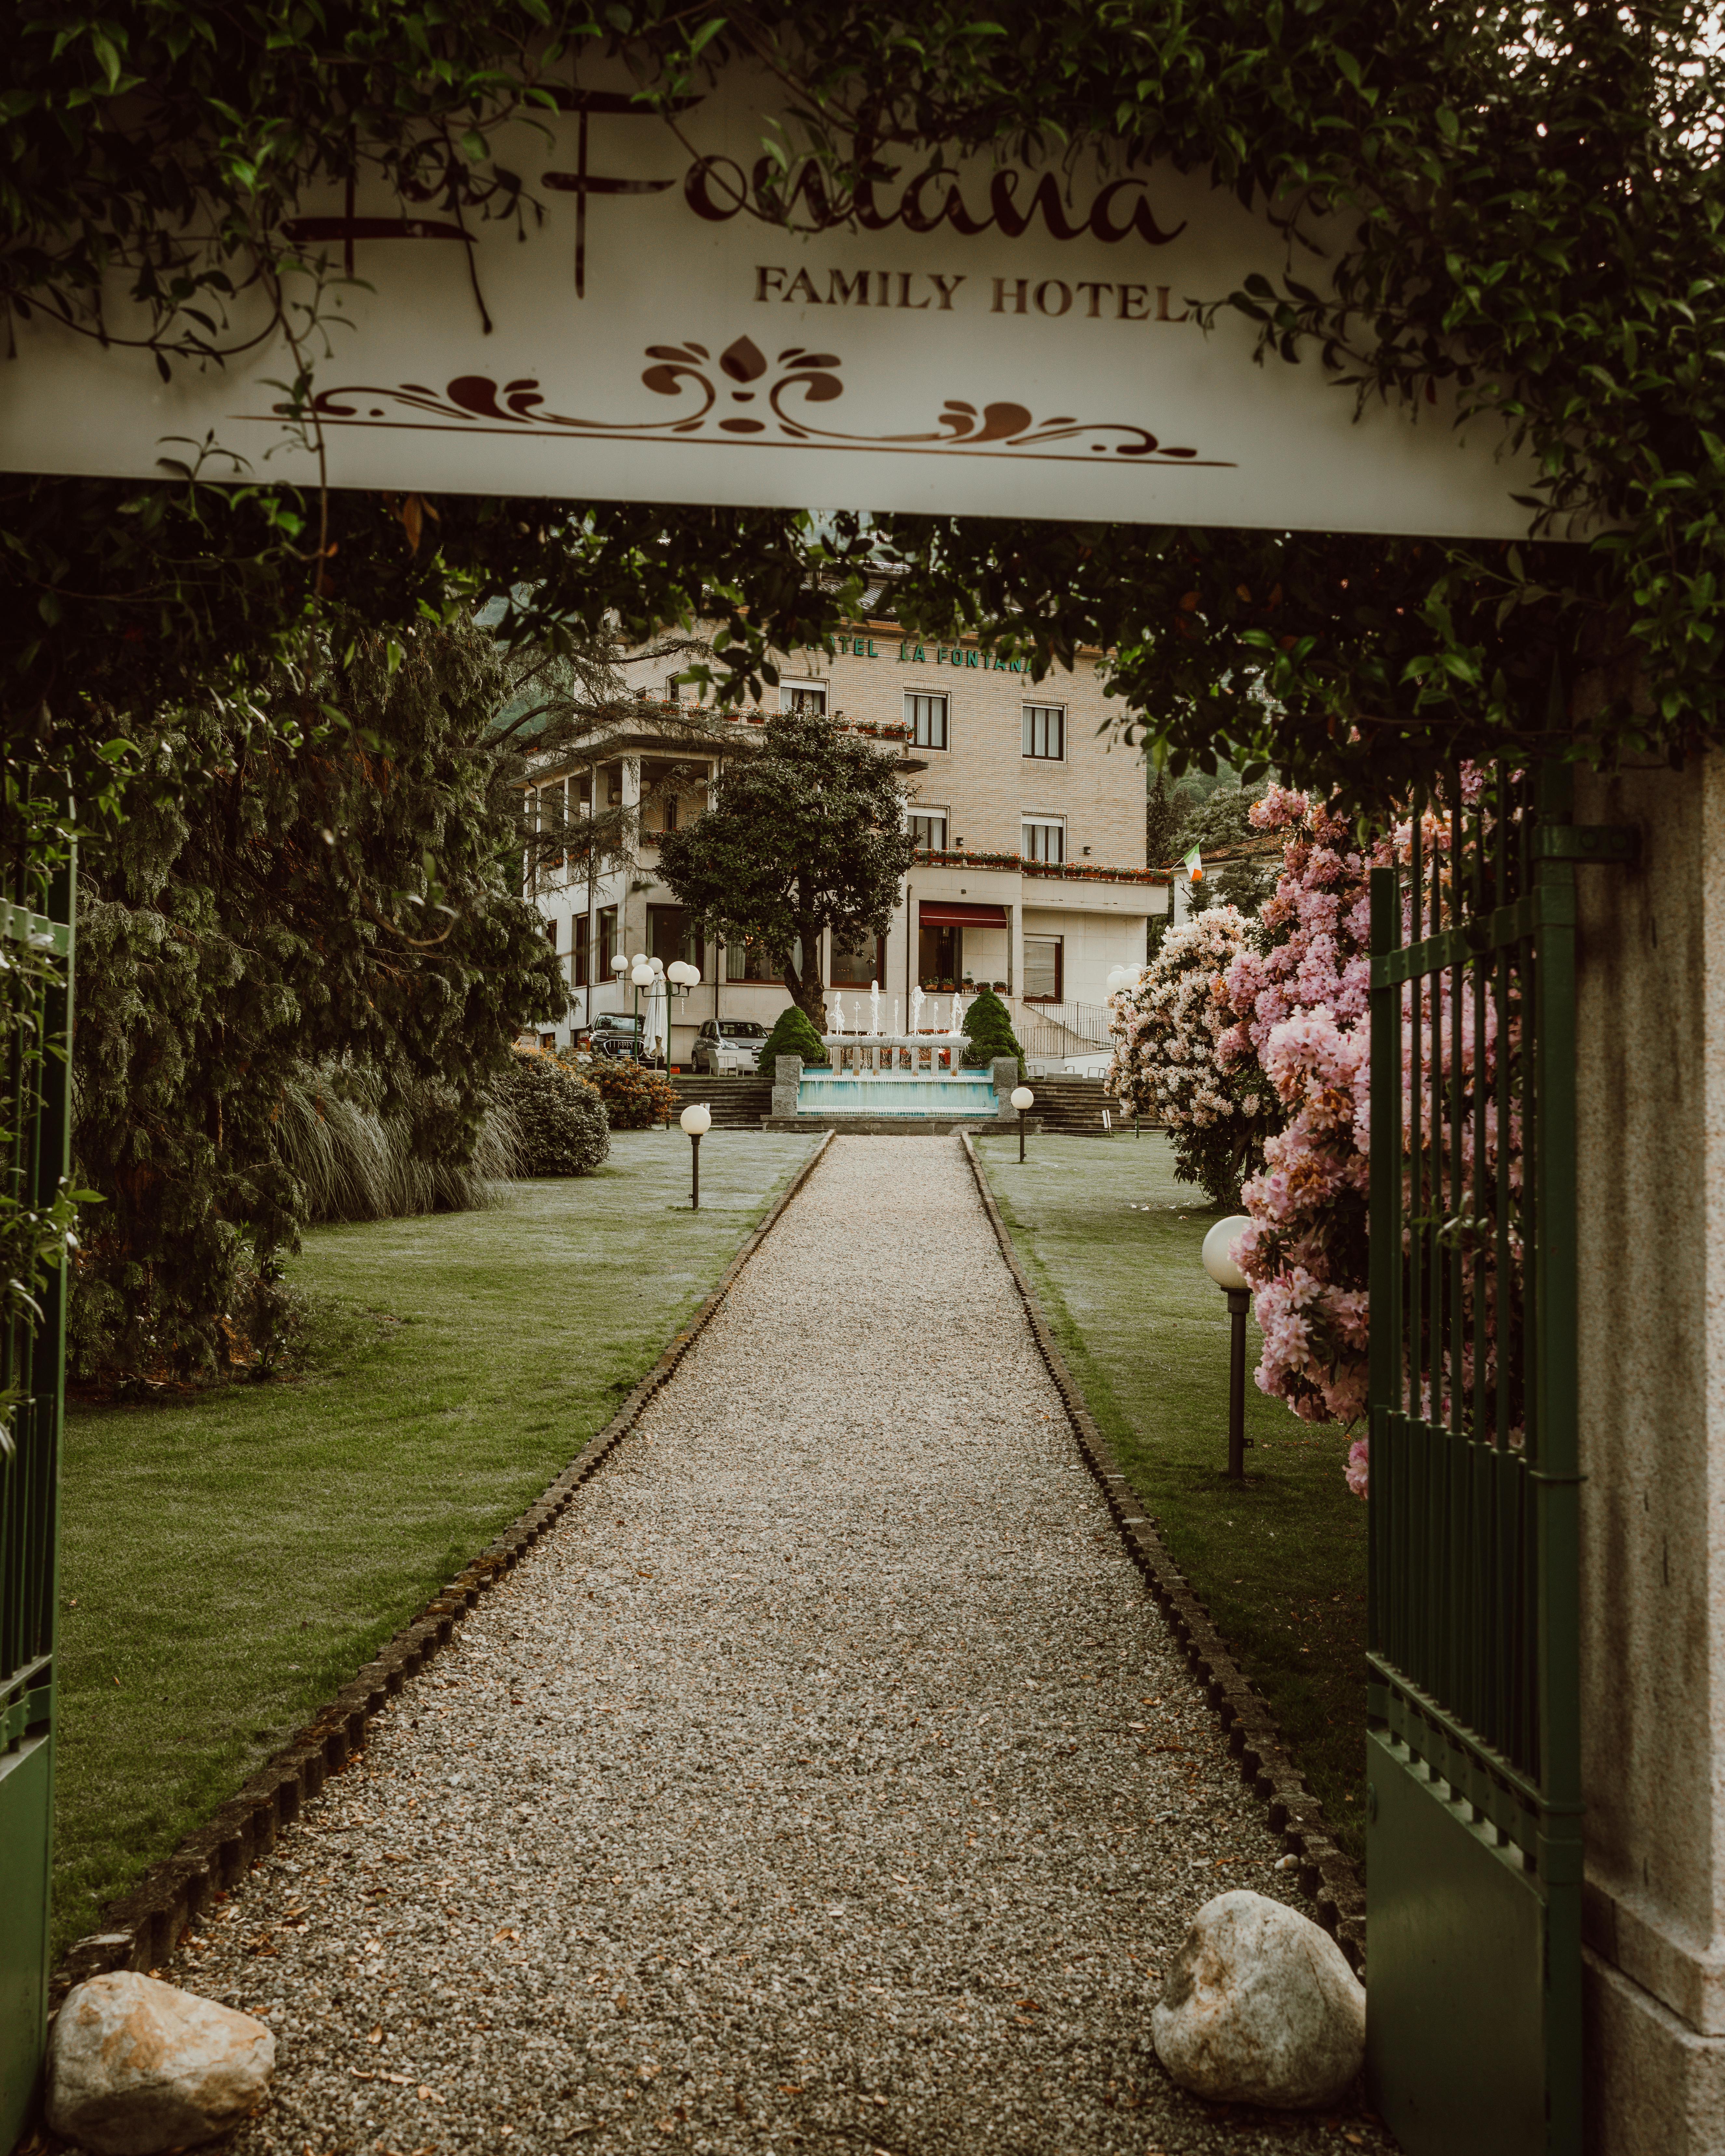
726	1047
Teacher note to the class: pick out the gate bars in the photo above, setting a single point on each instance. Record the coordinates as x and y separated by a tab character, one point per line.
35	1130
1473	1674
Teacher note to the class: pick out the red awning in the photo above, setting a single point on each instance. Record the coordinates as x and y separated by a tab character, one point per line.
939	913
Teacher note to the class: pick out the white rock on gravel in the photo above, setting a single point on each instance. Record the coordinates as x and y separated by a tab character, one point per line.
135	2066
1261	2007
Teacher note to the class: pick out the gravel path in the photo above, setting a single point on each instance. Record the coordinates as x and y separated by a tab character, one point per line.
825	1780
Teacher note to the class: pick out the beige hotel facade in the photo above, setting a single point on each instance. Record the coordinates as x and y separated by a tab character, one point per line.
1029	808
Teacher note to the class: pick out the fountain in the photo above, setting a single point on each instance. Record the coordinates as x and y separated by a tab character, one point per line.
894	1071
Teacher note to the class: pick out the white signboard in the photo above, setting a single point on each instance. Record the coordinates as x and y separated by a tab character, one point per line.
975	338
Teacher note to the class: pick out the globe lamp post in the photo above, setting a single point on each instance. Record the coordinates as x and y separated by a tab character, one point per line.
1219	1264
683	980
1023	1099
697	1119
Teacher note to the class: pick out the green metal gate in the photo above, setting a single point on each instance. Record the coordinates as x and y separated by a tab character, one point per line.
1473	1751
36	989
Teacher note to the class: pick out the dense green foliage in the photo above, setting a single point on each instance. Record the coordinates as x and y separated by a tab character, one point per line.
259	903
987	1024
634	1097
558	1116
792	1034
808	835
1520	209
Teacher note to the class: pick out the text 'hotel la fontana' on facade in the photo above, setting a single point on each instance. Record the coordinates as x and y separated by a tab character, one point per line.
1027	806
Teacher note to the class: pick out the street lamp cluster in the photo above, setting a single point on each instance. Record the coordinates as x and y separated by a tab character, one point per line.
676	979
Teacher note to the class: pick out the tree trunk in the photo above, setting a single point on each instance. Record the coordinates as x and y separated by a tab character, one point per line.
805	982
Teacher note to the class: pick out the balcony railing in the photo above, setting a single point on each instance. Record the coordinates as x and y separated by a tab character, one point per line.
950	857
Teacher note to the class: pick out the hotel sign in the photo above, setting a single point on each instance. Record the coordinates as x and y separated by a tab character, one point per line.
675	316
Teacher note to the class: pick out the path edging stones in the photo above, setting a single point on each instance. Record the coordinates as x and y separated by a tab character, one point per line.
141	1928
1329	1877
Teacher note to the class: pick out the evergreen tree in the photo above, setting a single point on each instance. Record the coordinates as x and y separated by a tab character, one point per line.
987	1026
348	893
792	1034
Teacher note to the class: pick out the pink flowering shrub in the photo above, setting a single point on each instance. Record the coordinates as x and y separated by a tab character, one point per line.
1168	1064
1298	998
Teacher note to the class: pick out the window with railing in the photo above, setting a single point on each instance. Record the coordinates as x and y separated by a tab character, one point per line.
1043	838
1046	731
802	697
929	830
926	718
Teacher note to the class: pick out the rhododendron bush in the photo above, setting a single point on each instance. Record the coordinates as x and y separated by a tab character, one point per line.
1286	1028
1167	1034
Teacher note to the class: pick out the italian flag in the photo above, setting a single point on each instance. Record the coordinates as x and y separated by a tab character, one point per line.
1193	866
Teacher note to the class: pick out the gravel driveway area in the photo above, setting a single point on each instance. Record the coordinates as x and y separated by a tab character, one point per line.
825	1780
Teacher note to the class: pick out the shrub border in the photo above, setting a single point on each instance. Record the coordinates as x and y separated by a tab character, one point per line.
143	1926
1328	1876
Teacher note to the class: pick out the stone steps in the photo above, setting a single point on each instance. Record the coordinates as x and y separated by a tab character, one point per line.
738	1104
1074	1106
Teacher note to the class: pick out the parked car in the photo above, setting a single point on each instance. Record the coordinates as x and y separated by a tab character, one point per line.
725	1047
615	1035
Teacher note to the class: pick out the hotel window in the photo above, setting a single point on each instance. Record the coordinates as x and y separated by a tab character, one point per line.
578	954
855	965
926	718
752	961
929	830
1043	839
607	943
1046	731
802	697
1044	968
668	935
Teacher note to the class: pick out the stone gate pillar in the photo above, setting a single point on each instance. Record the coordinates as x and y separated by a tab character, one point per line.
1651	1085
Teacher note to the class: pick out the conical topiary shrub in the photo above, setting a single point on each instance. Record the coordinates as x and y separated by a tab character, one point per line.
792	1035
988	1025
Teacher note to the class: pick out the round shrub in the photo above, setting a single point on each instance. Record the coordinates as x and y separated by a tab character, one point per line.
635	1098
792	1034
560	1121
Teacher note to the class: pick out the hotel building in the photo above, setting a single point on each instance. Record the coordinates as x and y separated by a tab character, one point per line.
1028	806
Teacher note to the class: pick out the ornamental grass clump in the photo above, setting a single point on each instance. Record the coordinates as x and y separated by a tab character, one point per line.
793	1034
355	1159
559	1118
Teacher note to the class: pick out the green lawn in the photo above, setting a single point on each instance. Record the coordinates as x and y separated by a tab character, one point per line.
229	1562
1279	1562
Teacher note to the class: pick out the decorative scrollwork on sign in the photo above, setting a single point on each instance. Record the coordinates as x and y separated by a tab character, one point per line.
741	397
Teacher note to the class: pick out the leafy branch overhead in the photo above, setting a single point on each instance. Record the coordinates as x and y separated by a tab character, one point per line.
1513	210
